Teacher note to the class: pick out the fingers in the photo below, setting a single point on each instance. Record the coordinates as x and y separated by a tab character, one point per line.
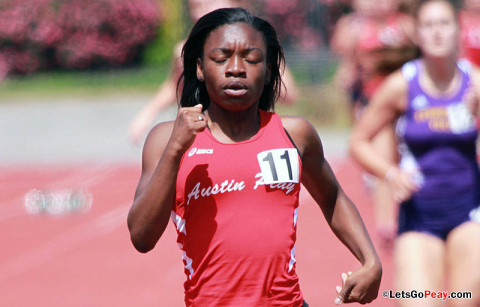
401	196
343	291
361	286
403	193
345	276
403	186
338	288
192	114
190	121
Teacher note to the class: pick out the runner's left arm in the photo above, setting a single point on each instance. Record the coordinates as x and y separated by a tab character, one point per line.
339	211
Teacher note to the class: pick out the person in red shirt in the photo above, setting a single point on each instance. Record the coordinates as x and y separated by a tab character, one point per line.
469	17
372	42
228	171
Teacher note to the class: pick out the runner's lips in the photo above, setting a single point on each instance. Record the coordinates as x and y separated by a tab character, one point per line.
235	85
235	88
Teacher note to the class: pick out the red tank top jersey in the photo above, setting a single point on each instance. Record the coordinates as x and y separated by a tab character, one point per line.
470	36
375	35
235	212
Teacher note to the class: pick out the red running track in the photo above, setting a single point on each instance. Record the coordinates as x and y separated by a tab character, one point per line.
87	259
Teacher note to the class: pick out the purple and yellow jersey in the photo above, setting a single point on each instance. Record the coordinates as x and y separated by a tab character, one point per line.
438	146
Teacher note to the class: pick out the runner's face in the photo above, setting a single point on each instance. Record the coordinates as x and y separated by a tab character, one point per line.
437	29
234	66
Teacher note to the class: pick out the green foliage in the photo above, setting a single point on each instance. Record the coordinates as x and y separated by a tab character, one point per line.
170	32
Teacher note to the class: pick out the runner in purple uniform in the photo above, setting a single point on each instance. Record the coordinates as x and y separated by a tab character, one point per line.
434	101
437	145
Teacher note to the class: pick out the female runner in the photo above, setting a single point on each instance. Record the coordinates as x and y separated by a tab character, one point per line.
228	171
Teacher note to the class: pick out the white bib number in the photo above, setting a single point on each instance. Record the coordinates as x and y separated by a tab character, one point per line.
279	165
459	118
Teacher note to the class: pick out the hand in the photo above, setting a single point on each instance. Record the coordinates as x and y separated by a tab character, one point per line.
360	286
401	183
188	123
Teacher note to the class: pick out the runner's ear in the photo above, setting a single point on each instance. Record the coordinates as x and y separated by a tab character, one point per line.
200	75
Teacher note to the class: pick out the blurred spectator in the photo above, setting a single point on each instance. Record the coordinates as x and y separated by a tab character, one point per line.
372	42
408	7
470	31
167	92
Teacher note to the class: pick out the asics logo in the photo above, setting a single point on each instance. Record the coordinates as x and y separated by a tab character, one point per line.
200	151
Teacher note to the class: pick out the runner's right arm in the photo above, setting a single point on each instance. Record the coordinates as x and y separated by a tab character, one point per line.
154	197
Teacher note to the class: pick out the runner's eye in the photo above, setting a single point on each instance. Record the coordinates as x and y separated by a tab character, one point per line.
254	57
252	61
